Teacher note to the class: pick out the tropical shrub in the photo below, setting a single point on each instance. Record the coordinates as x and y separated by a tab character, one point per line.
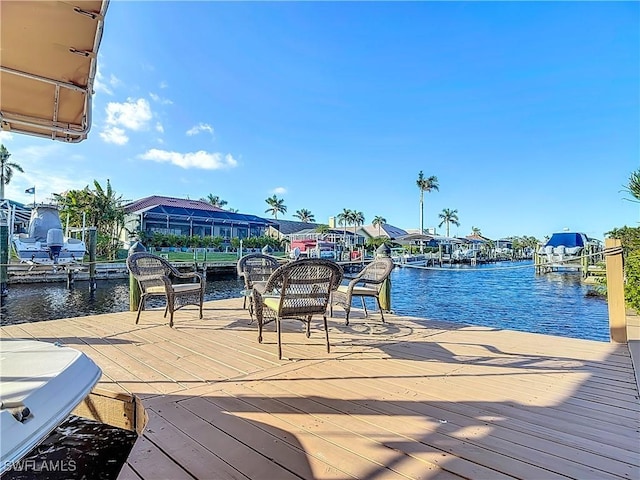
630	238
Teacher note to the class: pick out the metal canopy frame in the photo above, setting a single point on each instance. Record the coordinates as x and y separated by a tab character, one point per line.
48	62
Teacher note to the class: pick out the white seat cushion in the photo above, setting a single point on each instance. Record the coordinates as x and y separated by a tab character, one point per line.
366	291
185	287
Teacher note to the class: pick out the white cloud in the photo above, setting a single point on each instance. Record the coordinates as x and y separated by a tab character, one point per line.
201	127
105	86
132	114
114	135
159	127
279	191
4	135
114	81
99	85
160	100
200	159
164	84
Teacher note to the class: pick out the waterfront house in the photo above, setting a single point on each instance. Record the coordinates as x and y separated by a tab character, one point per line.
385	230
177	216
294	231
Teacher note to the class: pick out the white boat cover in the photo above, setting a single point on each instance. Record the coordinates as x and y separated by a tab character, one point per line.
49	380
48	56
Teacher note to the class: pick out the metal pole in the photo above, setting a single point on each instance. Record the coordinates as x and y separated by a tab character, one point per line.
93	243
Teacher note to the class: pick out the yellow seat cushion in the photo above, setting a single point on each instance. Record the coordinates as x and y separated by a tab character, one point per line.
272	302
155	290
178	287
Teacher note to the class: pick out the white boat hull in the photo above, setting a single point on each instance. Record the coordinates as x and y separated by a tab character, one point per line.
41	383
36	252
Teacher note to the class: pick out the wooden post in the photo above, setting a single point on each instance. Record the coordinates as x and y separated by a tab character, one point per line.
93	245
615	290
385	295
4	258
134	288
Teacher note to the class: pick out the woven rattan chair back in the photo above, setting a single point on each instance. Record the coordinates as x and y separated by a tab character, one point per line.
255	268
297	290
155	277
368	283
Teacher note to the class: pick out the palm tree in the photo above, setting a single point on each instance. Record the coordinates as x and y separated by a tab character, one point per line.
378	221
305	215
425	185
449	216
214	200
344	218
357	219
276	206
6	169
634	184
476	231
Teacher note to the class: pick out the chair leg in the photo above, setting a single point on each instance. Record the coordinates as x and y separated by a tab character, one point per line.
259	330
279	338
201	309
364	306
347	310
308	326
140	308
380	307
326	333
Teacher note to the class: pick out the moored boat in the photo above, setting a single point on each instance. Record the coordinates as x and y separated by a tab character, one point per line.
41	385
45	243
567	249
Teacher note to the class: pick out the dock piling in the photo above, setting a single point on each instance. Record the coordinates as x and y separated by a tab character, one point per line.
93	245
4	257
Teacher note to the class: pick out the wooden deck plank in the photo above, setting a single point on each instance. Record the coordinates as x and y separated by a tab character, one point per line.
505	407
409	434
360	457
196	459
242	458
411	398
472	428
281	445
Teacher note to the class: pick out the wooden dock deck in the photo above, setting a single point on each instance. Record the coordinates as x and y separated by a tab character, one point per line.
411	398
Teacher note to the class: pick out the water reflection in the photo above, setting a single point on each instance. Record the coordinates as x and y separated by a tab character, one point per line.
502	297
49	301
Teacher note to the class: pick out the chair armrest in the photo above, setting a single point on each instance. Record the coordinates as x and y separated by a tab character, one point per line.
179	274
149	278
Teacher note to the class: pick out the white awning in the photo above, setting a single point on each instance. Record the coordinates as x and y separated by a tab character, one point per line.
48	56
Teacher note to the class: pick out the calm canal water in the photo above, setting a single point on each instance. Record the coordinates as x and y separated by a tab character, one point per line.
505	296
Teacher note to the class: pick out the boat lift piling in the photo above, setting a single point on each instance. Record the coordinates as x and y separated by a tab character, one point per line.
93	243
4	258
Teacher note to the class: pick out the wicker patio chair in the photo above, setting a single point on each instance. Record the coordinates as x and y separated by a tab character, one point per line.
255	269
368	283
297	290
154	276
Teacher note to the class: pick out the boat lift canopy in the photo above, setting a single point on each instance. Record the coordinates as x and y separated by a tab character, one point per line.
48	58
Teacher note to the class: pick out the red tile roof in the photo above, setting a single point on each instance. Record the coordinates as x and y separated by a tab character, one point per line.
155	200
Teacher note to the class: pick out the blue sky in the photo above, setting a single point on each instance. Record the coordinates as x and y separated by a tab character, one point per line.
527	112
